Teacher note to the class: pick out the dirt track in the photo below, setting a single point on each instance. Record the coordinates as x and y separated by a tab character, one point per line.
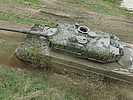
54	11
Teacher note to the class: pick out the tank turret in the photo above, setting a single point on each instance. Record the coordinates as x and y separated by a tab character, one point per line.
84	42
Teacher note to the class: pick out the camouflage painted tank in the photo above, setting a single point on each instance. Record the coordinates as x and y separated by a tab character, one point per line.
68	47
85	42
80	41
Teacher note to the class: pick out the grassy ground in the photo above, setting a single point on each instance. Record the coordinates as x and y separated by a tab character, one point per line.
6	16
102	6
26	83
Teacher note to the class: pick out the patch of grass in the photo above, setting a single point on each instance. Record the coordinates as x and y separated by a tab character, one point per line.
33	1
4	2
99	8
112	1
6	16
108	1
23	20
30	1
15	85
25	85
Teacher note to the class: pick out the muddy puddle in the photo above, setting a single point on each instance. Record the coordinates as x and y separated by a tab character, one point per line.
128	4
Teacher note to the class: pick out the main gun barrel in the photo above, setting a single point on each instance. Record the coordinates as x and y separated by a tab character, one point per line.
25	31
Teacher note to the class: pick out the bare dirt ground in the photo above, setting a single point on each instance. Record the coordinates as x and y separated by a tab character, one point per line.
54	11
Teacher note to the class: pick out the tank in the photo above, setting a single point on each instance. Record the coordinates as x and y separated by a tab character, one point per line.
76	49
